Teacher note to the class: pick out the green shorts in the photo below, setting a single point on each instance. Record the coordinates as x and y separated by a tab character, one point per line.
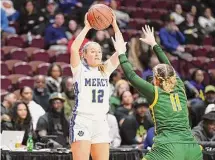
175	151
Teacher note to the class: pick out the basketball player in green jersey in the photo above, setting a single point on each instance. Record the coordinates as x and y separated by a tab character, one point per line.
173	138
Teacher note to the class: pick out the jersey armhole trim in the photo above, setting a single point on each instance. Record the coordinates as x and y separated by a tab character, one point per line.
156	98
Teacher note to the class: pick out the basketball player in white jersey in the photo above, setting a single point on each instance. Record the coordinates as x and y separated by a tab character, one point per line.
89	132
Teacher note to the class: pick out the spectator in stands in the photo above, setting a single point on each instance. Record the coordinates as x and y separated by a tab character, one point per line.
194	11
35	109
138	53
114	78
12	14
73	29
196	110
198	107
209	94
20	121
31	20
4	23
197	81
120	87
41	93
205	131
207	22
191	30
7	103
50	12
55	34
115	139
210	3
135	126
148	142
54	122
171	37
121	17
69	96
54	78
178	14
72	40
210	108
6	106
103	38
67	6
126	107
152	63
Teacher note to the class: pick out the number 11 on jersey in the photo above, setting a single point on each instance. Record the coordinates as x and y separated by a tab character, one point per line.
97	96
176	105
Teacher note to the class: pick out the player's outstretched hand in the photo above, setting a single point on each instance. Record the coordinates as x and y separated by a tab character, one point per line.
86	22
148	36
119	43
114	23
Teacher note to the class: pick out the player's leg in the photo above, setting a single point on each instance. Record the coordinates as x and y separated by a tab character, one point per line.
80	137
81	150
194	152
100	140
100	151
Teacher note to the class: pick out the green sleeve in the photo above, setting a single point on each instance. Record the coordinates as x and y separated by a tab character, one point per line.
144	87
163	59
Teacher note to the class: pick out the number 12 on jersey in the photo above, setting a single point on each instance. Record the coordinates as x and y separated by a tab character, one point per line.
176	105
97	96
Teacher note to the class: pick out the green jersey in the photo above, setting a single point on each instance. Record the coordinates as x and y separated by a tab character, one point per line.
170	116
169	110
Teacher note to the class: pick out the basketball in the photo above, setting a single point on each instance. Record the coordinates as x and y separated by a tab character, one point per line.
100	16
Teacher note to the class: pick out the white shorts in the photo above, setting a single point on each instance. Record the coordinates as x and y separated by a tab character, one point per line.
83	128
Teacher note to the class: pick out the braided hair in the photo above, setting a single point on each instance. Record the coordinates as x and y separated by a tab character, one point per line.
166	75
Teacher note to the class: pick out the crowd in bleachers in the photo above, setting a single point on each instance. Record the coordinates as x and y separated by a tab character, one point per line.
36	36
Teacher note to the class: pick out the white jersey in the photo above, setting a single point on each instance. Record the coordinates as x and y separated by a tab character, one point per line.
91	90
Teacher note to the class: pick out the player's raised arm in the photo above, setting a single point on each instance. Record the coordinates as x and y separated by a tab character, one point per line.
147	89
113	61
75	57
150	40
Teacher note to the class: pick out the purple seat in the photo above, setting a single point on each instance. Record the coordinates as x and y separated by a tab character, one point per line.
34	65
43	68
211	54
38	42
6	83
4	69
130	3
146	4
19	54
161	4
10	63
176	64
63	58
25	81
210	65
208	40
200	52
2	54
141	13
206	78
67	70
22	68
40	55
15	40
191	48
